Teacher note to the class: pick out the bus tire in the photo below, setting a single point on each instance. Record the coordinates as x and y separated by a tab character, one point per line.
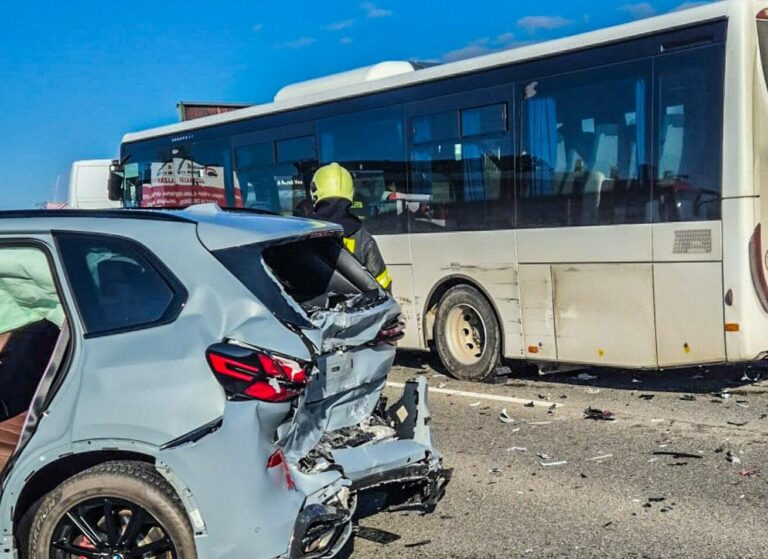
467	334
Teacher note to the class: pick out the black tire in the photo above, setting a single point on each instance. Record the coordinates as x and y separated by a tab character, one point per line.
467	334
128	484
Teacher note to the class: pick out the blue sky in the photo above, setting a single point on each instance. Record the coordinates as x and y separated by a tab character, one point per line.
75	76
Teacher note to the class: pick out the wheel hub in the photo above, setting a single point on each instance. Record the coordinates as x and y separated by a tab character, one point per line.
466	334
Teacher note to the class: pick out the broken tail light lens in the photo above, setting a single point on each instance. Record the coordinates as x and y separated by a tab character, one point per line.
392	332
254	374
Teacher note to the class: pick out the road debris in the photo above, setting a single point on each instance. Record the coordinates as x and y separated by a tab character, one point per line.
517	449
504	417
737	423
585	376
688	398
676	455
418	544
553	464
636	381
647	396
601	457
539	422
732	458
529	404
598	414
376	535
474	404
442	385
591	390
752	472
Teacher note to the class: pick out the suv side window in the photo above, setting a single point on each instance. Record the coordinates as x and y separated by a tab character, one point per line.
118	284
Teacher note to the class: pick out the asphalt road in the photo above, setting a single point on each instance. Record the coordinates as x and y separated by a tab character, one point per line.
615	496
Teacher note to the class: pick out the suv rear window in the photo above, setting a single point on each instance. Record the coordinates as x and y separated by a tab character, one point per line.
118	284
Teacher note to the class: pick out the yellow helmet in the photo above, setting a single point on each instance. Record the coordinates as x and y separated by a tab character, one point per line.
332	181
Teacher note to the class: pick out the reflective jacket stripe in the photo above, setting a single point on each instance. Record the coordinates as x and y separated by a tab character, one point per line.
350	243
384	279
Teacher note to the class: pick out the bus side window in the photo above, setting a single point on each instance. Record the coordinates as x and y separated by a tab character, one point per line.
275	176
688	141
459	178
371	145
585	136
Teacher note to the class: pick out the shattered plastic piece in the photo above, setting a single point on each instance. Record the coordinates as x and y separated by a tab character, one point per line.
517	449
653	460
752	472
676	455
495	471
418	544
732	458
553	464
585	376
474	404
504	417
539	422
598	414
601	457
688	398
591	390
376	535
636	381
543	456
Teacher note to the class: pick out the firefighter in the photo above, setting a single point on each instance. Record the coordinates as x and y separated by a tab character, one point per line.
333	191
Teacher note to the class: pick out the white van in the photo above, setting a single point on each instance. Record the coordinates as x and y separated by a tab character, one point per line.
88	185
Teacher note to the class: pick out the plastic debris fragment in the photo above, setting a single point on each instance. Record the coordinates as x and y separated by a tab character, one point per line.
598	414
504	417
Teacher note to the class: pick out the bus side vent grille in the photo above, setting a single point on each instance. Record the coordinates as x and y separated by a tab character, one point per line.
693	241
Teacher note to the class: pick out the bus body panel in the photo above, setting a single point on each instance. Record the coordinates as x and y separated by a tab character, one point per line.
487	259
689	313
538	313
604	314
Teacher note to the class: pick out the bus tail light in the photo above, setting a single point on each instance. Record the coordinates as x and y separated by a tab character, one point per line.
762	15
254	374
757	267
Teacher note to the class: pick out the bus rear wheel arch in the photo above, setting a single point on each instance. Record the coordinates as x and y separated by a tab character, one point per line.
467	334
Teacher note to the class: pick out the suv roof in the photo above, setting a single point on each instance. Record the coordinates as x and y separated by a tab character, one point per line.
216	227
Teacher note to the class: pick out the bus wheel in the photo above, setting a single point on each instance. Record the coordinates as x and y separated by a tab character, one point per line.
467	334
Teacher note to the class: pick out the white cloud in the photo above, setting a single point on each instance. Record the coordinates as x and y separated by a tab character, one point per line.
485	45
470	50
296	43
687	5
532	24
346	41
372	11
258	27
638	11
339	25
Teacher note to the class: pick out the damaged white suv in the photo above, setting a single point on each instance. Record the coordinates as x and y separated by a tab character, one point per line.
192	384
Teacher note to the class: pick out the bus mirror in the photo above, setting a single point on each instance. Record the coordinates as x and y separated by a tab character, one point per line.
115	186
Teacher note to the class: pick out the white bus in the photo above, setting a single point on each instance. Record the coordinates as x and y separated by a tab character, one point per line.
594	200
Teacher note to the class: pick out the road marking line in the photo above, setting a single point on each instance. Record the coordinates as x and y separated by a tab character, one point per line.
494	397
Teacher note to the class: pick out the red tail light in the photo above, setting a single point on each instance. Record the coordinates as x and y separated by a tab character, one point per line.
256	374
392	332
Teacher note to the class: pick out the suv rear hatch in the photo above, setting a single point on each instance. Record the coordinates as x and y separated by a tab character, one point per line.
350	327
